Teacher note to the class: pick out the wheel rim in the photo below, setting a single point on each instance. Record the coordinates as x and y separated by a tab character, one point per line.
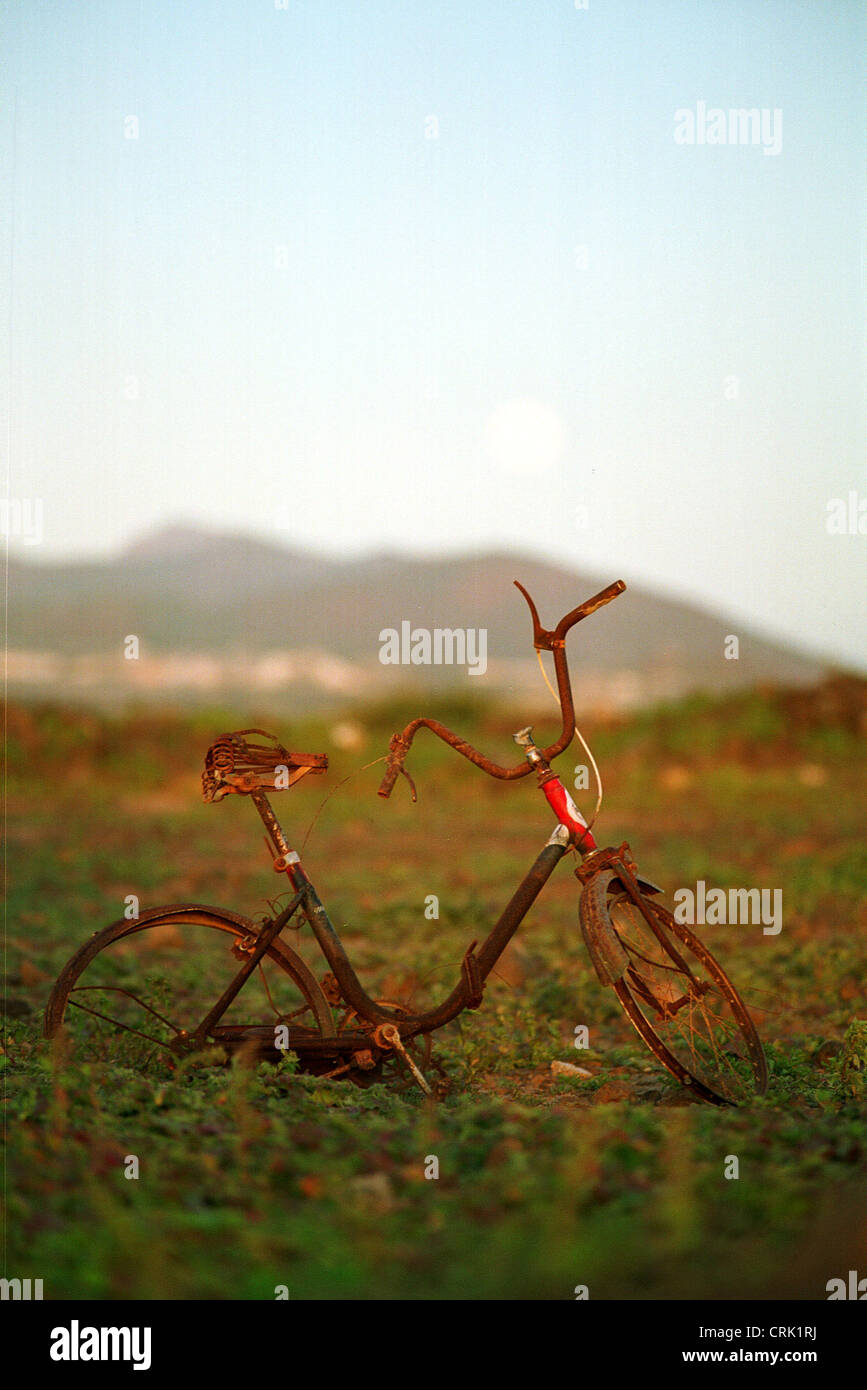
163	971
684	1006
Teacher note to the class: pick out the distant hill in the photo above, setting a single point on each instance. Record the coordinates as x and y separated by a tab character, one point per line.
183	591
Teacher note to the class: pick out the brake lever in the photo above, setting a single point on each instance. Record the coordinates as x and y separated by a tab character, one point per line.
411	783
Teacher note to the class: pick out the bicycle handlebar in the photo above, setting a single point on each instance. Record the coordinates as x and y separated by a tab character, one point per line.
388	781
396	753
553	641
543	640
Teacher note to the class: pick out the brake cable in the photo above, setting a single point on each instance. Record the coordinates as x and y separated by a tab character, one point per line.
596	773
342	783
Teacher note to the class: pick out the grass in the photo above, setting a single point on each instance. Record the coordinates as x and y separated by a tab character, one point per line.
255	1177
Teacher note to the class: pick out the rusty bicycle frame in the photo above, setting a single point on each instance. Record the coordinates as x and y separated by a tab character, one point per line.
235	765
477	965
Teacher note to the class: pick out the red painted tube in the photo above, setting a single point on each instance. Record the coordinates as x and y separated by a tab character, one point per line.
567	813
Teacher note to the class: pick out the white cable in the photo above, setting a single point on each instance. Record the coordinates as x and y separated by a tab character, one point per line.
596	773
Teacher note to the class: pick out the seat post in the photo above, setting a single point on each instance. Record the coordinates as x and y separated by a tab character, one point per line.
270	821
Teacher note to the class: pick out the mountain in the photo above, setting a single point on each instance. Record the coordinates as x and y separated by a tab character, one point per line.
184	591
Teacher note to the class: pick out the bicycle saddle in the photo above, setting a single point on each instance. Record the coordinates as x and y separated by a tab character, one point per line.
233	764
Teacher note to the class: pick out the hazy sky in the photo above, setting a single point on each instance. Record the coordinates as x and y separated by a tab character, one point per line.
437	276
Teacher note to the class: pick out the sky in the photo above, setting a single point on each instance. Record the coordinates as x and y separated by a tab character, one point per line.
445	277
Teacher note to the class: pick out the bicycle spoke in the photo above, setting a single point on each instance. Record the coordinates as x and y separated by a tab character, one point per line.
118	989
296	1013
116	1023
283	1017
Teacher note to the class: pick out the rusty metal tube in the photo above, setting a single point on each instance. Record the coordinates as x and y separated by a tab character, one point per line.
485	959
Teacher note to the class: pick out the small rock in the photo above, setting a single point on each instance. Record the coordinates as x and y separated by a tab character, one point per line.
569	1069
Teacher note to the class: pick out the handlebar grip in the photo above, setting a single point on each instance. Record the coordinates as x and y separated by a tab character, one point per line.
589	606
388	781
606	595
397	750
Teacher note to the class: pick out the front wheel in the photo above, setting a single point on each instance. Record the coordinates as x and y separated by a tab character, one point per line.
676	995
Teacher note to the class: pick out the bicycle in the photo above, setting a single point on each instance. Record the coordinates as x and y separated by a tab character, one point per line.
677	997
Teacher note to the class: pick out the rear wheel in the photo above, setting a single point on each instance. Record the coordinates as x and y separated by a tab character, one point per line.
139	989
